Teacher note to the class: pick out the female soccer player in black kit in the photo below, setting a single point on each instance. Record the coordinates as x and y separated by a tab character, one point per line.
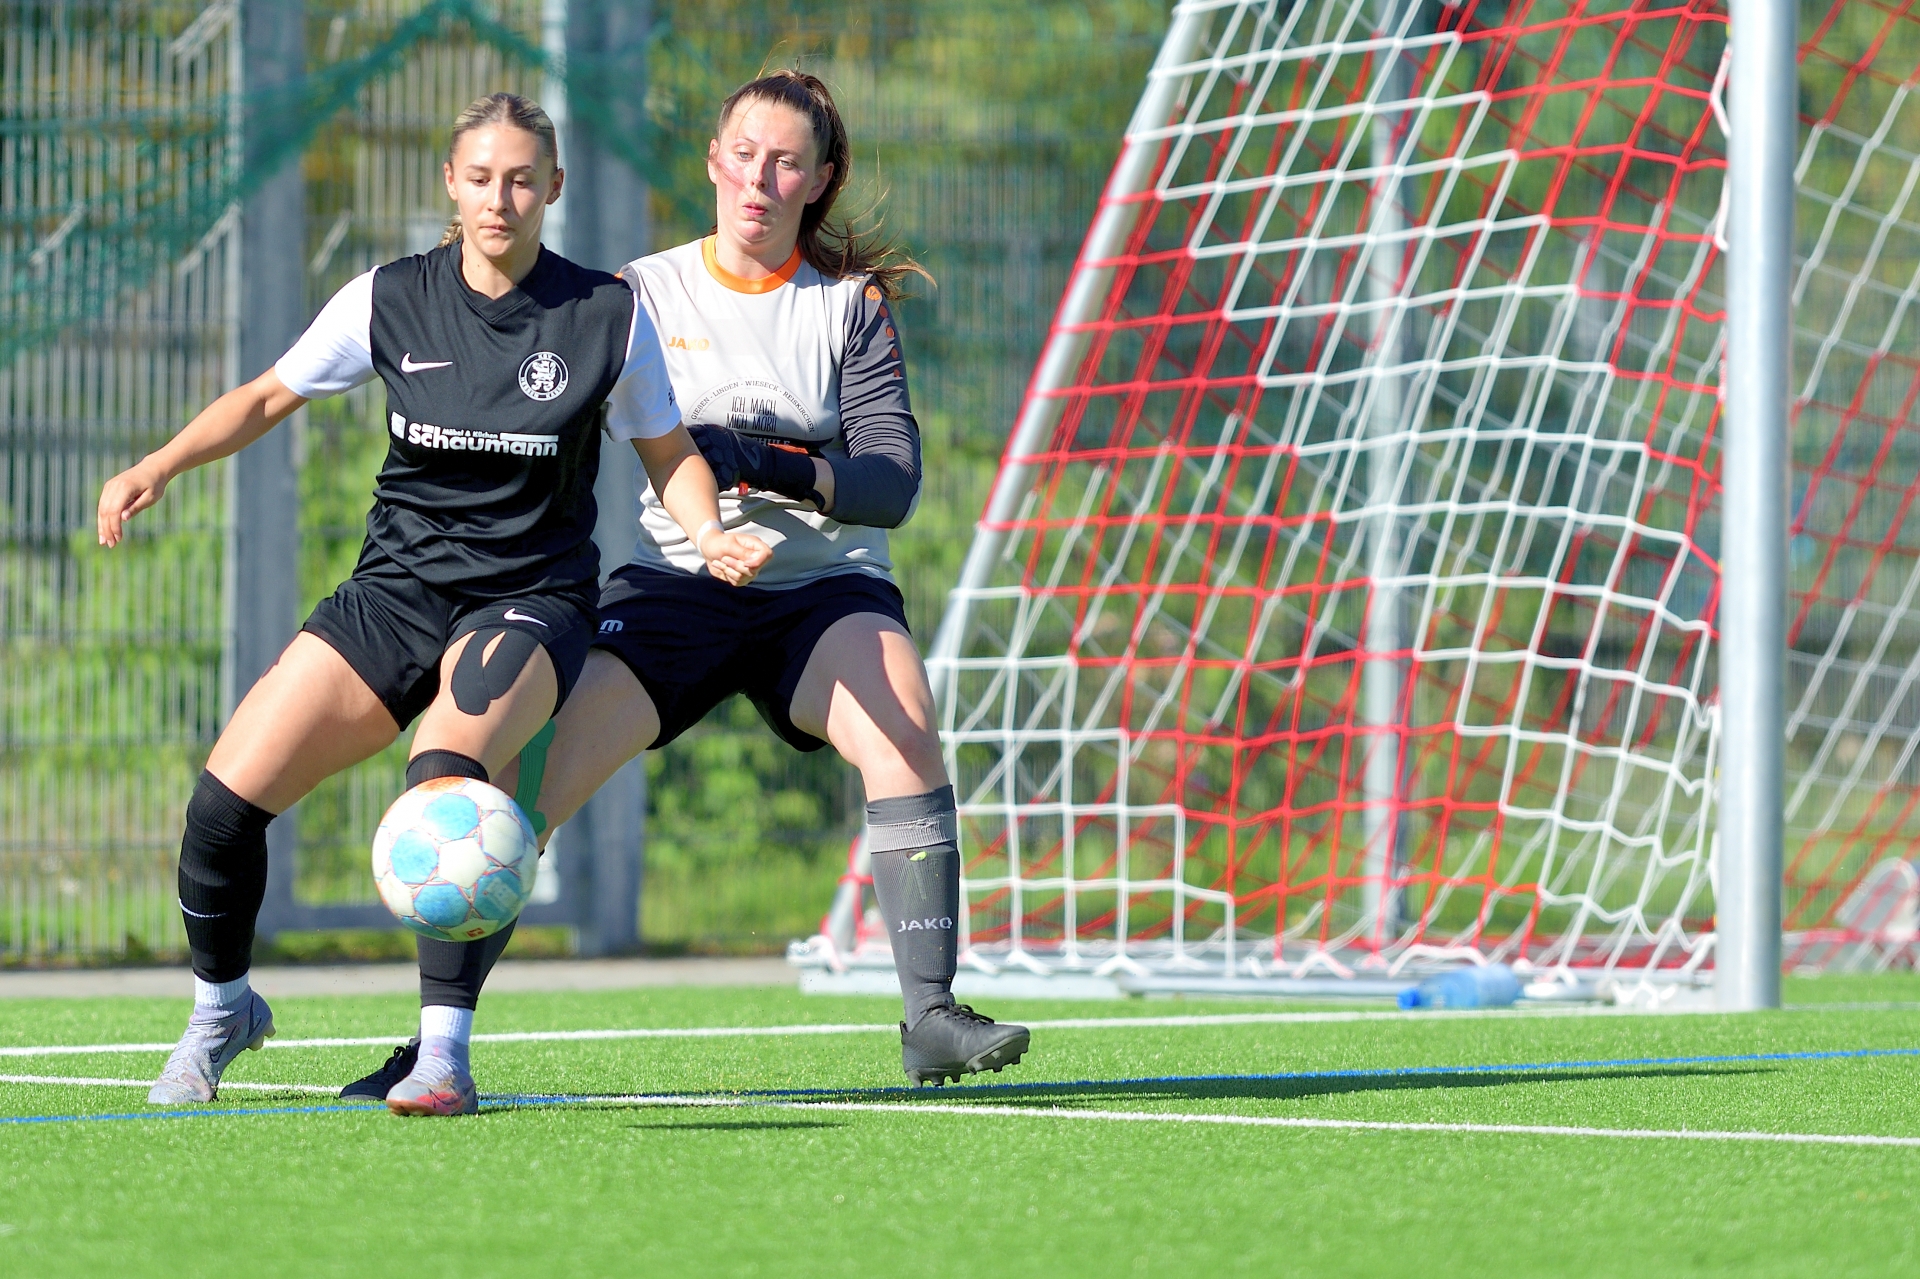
784	358
472	605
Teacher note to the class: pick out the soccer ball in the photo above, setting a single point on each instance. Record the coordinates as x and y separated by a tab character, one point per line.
455	859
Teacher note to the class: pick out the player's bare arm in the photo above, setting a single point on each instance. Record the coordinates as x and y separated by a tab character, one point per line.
684	481
224	427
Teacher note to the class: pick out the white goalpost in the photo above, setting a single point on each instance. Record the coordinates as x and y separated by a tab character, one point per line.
1454	520
1762	98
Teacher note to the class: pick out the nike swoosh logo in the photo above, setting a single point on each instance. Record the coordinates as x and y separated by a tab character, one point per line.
513	615
409	365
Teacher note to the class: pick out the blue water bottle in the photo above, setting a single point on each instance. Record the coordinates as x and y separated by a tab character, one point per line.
1477	986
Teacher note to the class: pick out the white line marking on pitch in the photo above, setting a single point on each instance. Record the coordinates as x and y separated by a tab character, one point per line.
74	1081
844	1028
1276	1121
1269	1121
504	1037
1103	1116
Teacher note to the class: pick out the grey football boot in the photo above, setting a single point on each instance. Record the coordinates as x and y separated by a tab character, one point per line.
208	1047
951	1040
437	1085
376	1086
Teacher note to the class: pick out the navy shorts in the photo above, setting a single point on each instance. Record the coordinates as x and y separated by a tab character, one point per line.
393	629
693	641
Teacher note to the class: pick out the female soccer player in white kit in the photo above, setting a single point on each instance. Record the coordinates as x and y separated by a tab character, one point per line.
473	601
787	366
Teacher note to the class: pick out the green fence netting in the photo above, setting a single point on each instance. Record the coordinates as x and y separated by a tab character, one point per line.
982	129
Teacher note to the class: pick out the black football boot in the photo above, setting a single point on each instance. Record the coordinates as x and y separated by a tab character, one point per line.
951	1040
376	1086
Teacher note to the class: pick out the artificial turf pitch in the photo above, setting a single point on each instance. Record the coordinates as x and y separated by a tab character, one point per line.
784	1154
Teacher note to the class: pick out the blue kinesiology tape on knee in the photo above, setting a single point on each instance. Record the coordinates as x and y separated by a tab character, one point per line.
480	678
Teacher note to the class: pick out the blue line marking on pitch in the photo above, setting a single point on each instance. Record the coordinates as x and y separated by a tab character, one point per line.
771	1094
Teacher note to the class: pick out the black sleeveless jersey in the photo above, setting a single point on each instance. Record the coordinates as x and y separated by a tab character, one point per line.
492	421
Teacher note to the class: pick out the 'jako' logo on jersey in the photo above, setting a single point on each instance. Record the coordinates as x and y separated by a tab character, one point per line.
689	344
543	376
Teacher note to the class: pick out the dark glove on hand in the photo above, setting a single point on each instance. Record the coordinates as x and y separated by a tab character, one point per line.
739	459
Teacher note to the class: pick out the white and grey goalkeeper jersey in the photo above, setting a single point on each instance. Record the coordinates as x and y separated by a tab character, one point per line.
802	359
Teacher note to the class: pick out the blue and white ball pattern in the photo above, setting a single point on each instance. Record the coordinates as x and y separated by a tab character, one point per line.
455	859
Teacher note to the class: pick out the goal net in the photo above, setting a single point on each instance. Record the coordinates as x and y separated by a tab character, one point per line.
1346	601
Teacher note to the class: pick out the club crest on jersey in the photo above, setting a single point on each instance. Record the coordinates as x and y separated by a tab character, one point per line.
543	376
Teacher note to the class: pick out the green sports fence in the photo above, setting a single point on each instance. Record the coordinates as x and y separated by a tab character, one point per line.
988	126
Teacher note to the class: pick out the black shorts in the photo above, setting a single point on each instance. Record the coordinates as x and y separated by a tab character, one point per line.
393	629
693	641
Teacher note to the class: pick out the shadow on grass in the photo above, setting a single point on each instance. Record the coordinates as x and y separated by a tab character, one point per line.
1300	1087
1094	1093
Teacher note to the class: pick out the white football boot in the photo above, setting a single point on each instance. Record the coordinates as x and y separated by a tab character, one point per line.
437	1085
207	1048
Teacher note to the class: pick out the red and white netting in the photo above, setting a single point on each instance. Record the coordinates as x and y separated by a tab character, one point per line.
1352	585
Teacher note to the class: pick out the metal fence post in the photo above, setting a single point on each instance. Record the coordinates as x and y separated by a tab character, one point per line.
263	531
607	226
1762	107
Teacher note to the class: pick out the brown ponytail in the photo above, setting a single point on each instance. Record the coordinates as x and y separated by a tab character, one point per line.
500	108
836	249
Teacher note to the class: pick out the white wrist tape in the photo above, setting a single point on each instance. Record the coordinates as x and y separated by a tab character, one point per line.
700	534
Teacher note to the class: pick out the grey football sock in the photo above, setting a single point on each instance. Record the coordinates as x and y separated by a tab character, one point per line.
914	842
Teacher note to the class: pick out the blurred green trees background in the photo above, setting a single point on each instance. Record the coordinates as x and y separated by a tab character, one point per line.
983	131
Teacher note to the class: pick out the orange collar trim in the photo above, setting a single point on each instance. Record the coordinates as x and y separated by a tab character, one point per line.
740	283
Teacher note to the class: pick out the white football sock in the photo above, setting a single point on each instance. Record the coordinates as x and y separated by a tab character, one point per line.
219	996
439	1021
446	1031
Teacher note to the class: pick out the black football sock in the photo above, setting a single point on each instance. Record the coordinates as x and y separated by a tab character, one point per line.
428	765
452	972
914	842
223	878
